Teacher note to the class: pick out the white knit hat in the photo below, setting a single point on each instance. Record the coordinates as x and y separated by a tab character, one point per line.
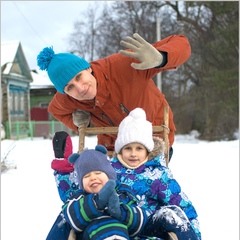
135	128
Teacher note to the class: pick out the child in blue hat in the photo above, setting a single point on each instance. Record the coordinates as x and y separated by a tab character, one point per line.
102	208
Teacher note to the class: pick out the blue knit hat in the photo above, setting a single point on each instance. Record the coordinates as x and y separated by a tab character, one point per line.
92	160
61	67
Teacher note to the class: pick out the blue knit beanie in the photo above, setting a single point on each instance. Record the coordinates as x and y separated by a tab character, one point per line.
92	160
61	67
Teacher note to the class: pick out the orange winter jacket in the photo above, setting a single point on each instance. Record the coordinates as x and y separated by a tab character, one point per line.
121	88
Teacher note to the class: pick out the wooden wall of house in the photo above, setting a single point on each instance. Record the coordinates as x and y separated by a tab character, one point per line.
4	101
39	99
27	105
39	114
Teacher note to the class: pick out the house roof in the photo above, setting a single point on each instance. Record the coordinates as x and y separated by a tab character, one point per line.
40	81
13	61
9	52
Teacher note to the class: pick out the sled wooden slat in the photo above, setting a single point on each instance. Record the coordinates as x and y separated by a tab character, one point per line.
83	131
166	132
114	130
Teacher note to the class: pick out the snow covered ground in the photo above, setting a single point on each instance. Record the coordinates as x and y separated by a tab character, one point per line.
208	173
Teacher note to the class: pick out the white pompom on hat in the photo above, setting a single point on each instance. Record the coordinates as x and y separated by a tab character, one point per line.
135	128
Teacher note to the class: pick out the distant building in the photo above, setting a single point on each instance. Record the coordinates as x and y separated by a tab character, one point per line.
25	95
15	87
41	93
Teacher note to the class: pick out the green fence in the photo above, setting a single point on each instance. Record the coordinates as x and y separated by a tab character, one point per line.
45	129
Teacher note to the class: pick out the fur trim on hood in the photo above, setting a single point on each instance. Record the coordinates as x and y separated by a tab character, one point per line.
159	148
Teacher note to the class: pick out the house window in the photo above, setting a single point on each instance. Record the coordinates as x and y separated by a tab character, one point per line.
16	98
43	105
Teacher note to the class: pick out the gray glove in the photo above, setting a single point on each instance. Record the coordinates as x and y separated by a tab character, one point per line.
148	55
81	118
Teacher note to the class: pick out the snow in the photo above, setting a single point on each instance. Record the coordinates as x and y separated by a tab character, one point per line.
40	81
208	173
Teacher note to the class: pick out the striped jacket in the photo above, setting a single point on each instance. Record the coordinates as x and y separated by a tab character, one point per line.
81	209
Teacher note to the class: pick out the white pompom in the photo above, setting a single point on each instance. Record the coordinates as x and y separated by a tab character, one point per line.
138	113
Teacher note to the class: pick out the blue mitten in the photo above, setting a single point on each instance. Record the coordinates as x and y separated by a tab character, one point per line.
102	197
114	206
173	219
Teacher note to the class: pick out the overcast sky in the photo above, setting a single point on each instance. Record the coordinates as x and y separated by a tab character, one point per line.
39	24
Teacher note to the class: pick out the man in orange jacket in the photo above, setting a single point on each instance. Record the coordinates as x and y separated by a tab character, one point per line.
106	90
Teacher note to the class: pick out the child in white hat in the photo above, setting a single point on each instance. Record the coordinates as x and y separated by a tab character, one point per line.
102	208
139	162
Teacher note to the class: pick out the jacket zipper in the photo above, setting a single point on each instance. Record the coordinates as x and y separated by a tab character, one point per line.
124	109
109	120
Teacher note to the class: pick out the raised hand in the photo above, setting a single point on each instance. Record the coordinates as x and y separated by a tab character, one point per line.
148	56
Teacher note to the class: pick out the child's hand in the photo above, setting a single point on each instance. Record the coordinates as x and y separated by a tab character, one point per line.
114	206
102	197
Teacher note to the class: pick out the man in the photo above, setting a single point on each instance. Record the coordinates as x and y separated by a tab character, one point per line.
106	90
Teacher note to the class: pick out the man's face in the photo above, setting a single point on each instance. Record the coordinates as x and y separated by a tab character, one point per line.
83	86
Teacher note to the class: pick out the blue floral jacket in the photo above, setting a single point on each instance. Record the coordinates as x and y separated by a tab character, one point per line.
155	186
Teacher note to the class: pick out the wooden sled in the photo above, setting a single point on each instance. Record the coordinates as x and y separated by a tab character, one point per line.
83	131
172	236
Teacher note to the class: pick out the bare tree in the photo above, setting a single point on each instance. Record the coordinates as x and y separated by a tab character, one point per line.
82	40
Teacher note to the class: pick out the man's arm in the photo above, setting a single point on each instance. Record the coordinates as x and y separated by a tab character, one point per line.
169	52
178	50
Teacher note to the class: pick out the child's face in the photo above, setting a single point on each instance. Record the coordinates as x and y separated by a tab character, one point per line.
94	181
134	154
83	86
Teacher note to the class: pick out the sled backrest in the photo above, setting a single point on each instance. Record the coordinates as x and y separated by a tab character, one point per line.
83	131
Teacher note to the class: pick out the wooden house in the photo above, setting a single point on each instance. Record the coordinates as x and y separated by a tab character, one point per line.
25	95
41	93
15	88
